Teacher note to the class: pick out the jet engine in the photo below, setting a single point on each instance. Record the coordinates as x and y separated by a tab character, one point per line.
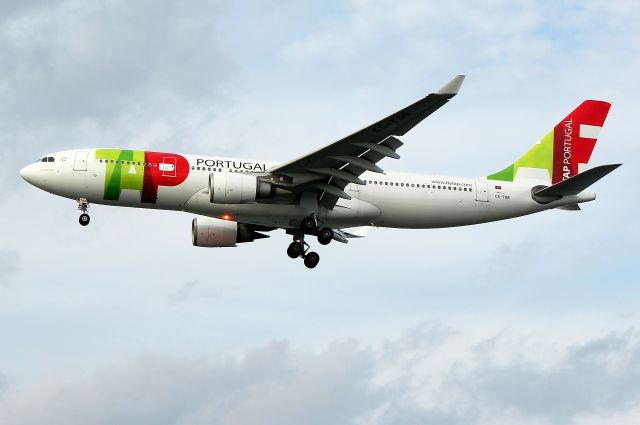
216	233
236	188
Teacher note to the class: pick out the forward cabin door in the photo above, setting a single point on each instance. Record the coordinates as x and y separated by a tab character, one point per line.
168	166
482	192
80	163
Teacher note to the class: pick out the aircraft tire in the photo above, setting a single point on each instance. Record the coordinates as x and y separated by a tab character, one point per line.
311	260
308	225
84	219
295	250
325	236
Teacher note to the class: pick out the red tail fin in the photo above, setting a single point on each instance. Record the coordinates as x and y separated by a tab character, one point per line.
575	137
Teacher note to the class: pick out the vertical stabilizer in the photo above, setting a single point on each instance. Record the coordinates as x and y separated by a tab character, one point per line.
564	150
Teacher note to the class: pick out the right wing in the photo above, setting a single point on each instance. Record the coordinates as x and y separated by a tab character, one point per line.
328	170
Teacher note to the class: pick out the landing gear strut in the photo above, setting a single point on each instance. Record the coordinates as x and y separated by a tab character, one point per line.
83	205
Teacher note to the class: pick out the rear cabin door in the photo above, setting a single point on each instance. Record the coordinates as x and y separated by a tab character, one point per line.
80	163
482	193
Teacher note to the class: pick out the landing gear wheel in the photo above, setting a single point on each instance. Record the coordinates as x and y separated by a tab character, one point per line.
84	219
308	225
311	259
295	250
325	236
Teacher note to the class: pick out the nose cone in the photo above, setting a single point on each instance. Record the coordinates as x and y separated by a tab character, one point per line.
29	173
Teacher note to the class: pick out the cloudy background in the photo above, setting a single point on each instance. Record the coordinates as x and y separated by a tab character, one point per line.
531	321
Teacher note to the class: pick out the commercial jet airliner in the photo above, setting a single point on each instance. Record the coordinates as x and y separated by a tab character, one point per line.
334	193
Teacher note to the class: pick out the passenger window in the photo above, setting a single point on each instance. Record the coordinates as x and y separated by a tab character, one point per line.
386	183
193	168
423	186
402	184
396	184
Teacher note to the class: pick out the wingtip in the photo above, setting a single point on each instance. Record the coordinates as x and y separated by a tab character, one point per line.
453	86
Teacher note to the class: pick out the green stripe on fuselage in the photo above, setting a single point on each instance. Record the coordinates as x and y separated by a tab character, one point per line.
124	170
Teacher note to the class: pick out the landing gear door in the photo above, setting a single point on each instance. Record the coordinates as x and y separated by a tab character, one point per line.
482	193
80	163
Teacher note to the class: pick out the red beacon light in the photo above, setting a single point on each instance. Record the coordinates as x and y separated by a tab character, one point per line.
226	217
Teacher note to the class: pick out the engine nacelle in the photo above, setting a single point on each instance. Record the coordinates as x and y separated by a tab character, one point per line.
236	188
216	233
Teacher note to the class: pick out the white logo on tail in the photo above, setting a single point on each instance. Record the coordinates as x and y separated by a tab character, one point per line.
568	131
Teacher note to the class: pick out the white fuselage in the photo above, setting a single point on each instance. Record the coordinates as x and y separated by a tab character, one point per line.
399	200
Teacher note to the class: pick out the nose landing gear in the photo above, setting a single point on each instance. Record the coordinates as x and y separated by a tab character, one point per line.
83	205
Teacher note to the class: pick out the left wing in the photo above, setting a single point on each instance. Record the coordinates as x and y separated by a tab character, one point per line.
328	170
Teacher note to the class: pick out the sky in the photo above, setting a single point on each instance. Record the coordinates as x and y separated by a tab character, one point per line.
532	320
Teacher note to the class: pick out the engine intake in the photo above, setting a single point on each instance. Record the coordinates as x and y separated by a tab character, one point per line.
237	188
216	233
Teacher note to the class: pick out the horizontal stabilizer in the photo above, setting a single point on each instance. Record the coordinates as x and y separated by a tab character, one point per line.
573	185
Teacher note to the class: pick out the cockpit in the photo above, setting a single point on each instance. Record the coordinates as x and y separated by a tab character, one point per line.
47	159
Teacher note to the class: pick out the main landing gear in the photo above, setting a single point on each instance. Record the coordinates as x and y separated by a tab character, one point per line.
83	205
299	248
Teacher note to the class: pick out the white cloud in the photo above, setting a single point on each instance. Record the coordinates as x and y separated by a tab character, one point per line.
488	380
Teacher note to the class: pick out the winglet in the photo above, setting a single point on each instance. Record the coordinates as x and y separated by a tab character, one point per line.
452	87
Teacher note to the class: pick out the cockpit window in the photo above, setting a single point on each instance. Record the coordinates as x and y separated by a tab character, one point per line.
44	159
50	159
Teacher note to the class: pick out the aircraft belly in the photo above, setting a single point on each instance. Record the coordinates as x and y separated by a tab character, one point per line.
352	212
277	215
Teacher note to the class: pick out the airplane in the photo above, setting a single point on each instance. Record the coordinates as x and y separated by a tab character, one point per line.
337	192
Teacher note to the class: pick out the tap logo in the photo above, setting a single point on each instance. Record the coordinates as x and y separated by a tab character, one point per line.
142	171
